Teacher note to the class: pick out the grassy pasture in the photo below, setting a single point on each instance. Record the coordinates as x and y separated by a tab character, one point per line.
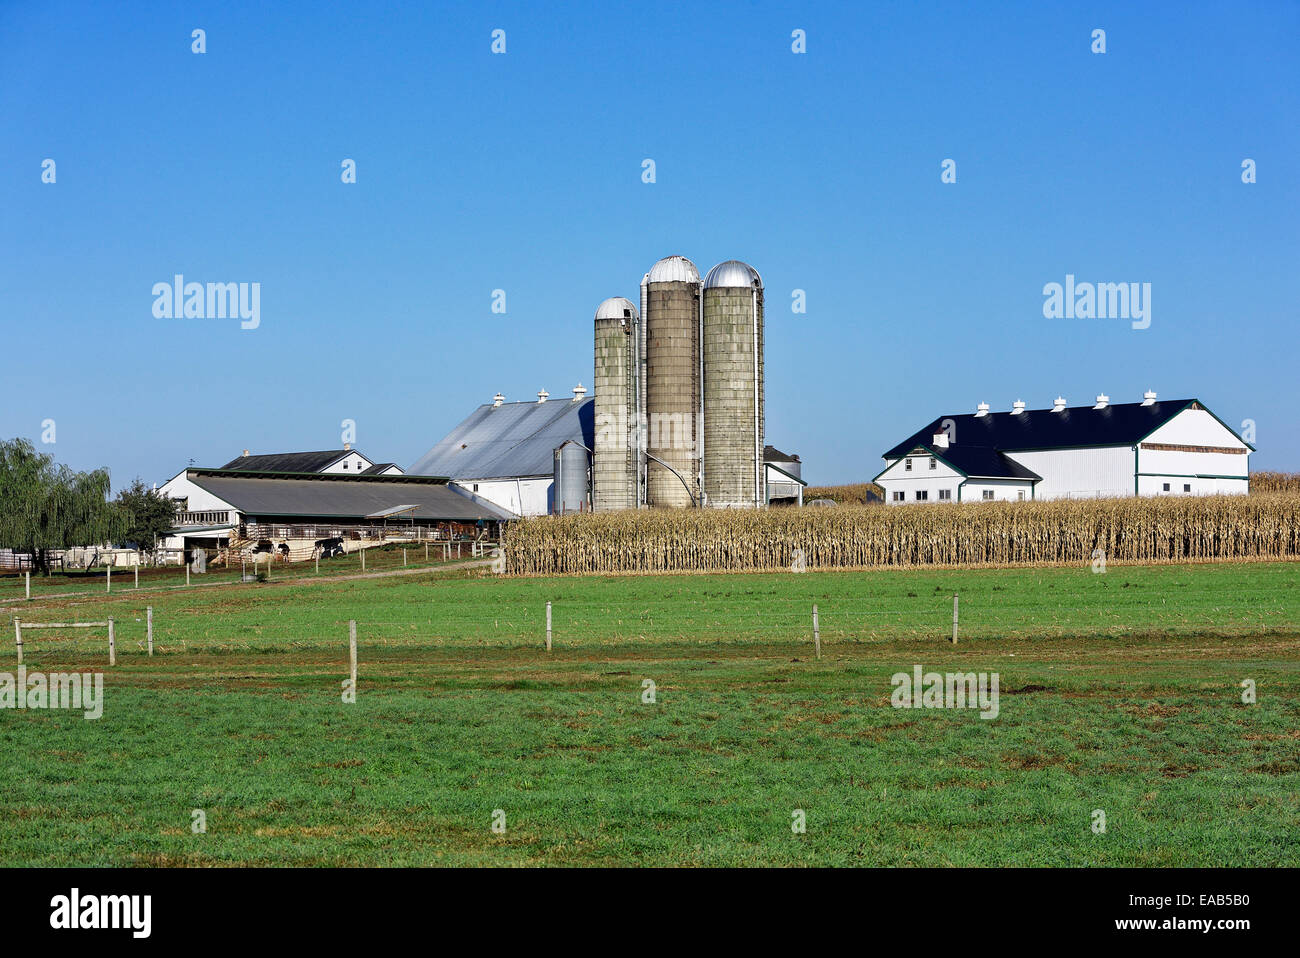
1119	692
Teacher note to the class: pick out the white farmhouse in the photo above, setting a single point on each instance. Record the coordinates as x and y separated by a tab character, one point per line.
1128	449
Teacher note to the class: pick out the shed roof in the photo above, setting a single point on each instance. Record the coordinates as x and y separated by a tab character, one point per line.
290	461
513	440
343	497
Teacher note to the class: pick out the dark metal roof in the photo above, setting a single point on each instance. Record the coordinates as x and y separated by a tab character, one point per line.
511	440
379	467
1123	424
980	462
342	497
290	461
773	454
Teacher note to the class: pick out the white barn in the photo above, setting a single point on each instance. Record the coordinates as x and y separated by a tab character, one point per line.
1127	449
503	453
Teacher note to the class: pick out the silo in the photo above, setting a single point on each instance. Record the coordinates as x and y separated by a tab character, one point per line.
672	382
614	464
733	386
569	479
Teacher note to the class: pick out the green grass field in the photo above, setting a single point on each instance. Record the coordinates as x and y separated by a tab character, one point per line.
1119	692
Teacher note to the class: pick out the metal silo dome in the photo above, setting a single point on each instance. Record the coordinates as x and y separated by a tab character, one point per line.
673	269
733	274
613	308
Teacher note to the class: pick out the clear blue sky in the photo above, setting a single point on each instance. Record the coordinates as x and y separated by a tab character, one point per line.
523	172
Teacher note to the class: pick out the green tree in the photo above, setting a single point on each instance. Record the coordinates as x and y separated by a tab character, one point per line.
45	506
150	515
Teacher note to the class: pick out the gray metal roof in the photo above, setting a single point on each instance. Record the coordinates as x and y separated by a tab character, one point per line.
348	498
613	308
290	461
733	274
512	440
673	269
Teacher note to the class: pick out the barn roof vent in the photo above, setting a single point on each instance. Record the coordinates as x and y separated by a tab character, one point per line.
245	452
981	410
1148	398
1058	404
1102	401
542	396
1018	407
347	447
498	399
579	391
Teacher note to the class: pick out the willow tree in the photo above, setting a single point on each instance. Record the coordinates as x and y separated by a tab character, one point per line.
45	506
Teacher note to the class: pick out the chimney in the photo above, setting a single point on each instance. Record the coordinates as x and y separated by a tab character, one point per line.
1148	398
1018	407
542	396
981	410
579	391
1059	404
940	440
1102	401
498	399
347	446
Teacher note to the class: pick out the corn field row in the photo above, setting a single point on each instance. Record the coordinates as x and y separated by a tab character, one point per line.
1275	482
1262	526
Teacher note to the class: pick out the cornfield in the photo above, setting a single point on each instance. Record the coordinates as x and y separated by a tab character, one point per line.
1165	529
844	495
1275	482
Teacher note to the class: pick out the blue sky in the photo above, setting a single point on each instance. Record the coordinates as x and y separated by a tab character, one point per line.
522	172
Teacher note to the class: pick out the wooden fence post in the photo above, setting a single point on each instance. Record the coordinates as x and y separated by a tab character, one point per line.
817	633
403	558
363	558
548	626
18	638
148	627
108	583
112	643
137	573
187	572
29	583
954	618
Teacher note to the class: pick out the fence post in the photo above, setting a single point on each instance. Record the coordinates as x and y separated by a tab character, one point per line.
29	583
426	552
137	573
18	638
108	583
548	626
363	558
352	651
403	558
954	618
148	627
187	572
817	633
112	643
318	563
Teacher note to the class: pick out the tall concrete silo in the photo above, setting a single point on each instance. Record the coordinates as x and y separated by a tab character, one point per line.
615	462
733	386
672	382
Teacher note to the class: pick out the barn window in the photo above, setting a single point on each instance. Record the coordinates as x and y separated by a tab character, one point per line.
898	497
1166	489
933	463
945	493
1020	494
907	466
476	487
1187	487
988	493
922	495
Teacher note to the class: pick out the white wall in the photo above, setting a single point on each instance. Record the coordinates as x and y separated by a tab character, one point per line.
1080	473
1200	486
352	463
1193	427
523	497
198	500
921	479
1004	490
